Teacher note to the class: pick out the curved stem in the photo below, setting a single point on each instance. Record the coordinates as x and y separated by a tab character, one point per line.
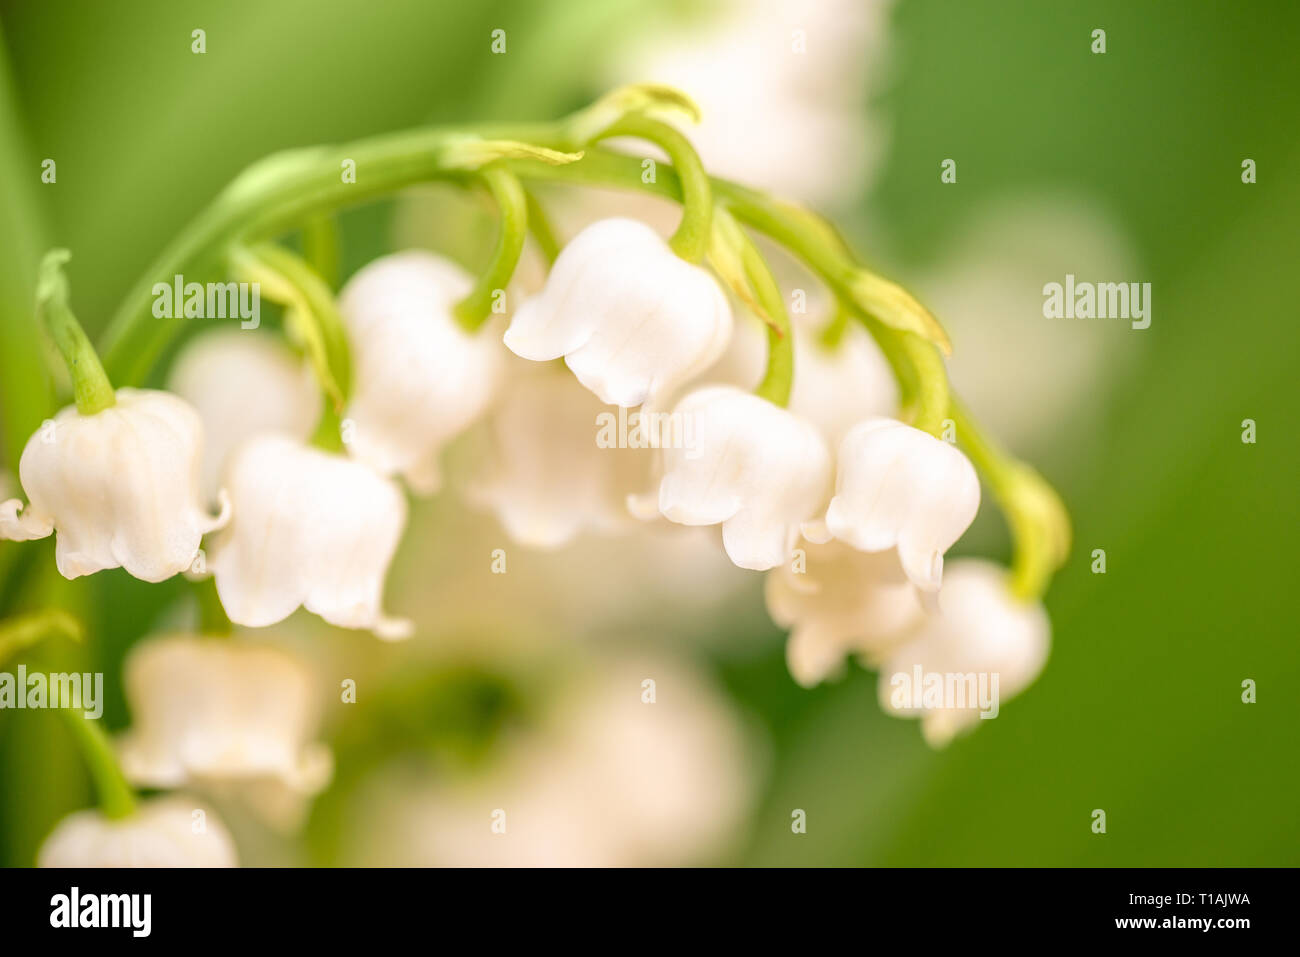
779	376
510	198
116	798
539	225
691	240
1039	523
931	381
90	386
311	312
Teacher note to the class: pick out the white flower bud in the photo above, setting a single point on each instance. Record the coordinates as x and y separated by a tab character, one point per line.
899	487
631	318
750	465
218	711
243	383
419	378
310	529
163	832
839	602
548	478
120	488
980	629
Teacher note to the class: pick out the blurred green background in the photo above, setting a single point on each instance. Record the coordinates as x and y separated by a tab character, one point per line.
1139	711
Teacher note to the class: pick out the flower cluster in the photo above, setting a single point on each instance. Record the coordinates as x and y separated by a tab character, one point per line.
835	473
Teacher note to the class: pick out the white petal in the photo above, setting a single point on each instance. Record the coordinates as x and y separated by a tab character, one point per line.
309	529
898	487
420	379
981	630
160	833
753	467
209	710
631	318
120	488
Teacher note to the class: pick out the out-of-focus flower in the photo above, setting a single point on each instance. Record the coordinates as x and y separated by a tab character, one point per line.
899	487
784	90
163	832
987	287
120	488
749	465
219	712
624	773
242	384
837	602
980	632
310	529
420	377
549	477
631	318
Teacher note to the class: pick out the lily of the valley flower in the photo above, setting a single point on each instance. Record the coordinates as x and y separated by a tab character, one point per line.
163	832
242	384
310	529
980	631
120	488
838	601
751	466
629	317
548	476
220	712
899	487
420	377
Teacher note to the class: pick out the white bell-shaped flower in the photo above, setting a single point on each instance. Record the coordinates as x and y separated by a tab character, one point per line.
980	648
558	462
243	383
120	488
310	529
419	377
838	601
163	832
630	318
744	463
899	487
223	713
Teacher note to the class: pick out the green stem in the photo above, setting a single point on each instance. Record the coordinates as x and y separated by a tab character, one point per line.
320	248
539	224
311	311
691	240
116	797
90	386
474	309
931	381
1039	523
779	376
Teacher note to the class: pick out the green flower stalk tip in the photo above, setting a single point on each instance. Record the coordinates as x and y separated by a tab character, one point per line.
91	389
